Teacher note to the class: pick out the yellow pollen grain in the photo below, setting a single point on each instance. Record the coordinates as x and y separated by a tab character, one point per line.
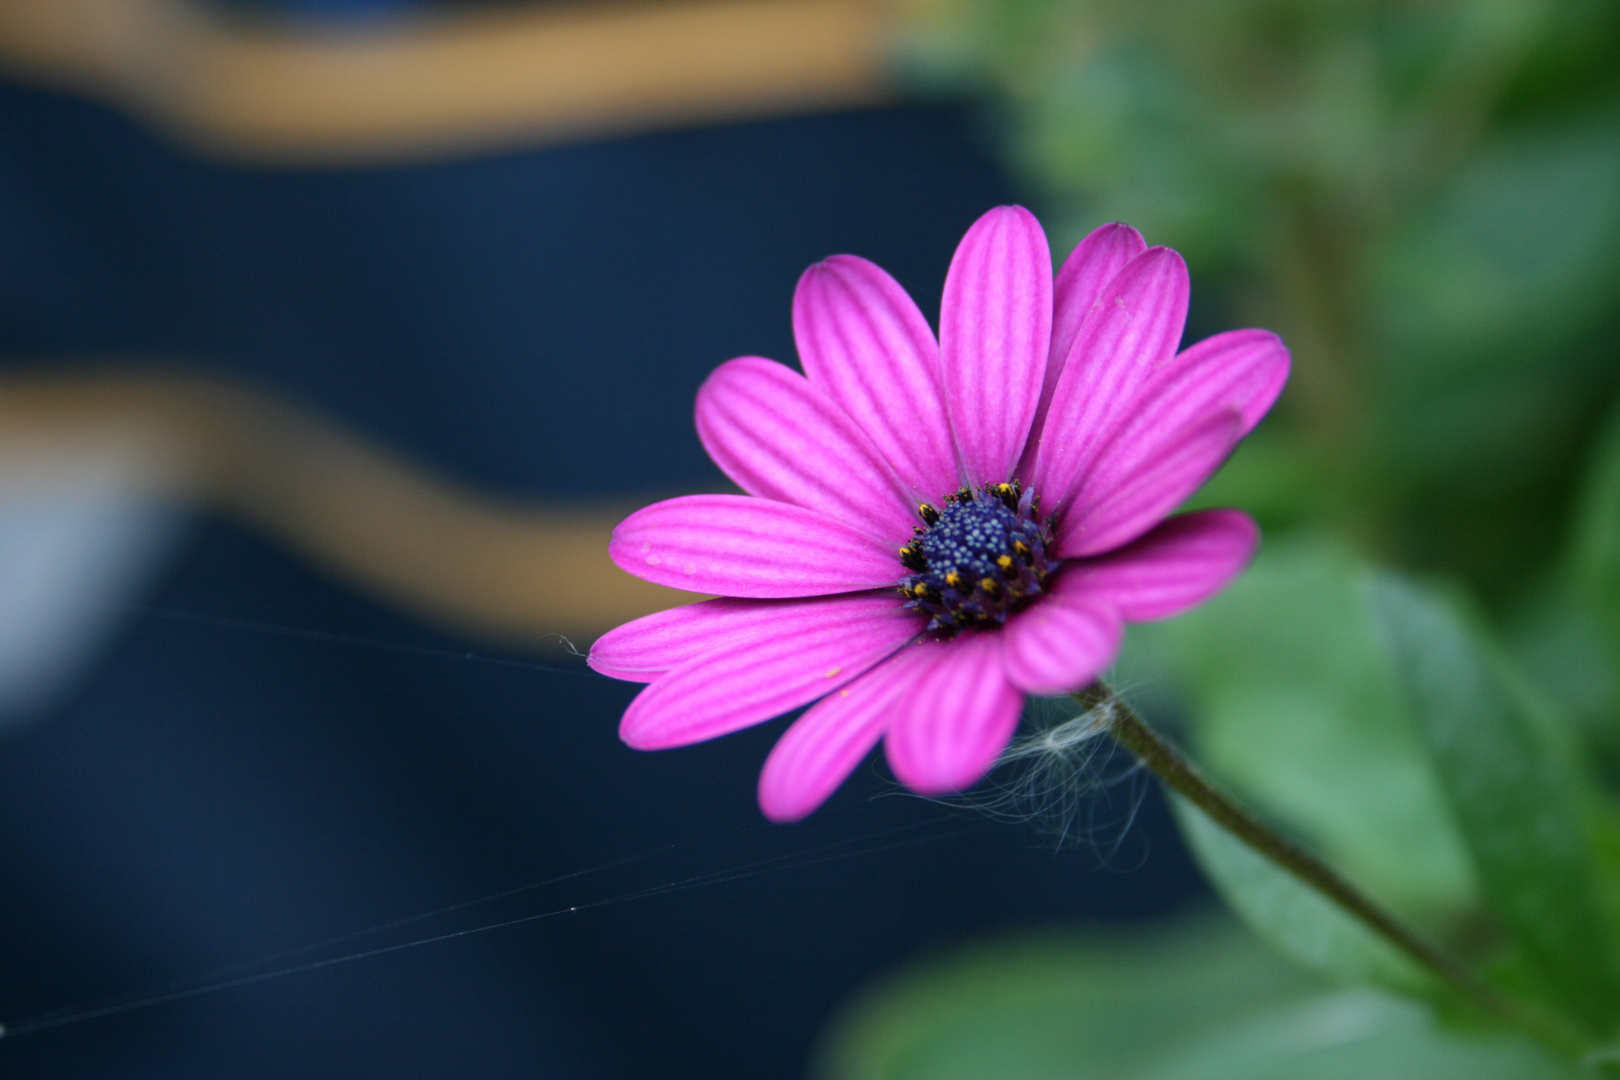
833	671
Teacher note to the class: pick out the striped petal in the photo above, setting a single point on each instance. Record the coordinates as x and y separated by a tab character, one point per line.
995	326
1177	566
739	545
862	340
1240	371
959	715
824	745
1132	331
811	650
1093	263
1063	642
1232	375
1144	485
781	438
646	648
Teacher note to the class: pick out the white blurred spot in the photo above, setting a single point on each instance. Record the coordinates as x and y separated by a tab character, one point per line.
83	534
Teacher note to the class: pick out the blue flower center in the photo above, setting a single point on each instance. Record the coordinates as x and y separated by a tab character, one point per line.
981	558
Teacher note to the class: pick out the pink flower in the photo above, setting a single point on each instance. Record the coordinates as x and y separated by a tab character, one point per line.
933	531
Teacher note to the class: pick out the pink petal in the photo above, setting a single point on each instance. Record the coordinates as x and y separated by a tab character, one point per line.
738	545
808	651
1145	482
959	715
1235	374
995	325
1241	371
1063	642
825	744
1177	566
1133	330
863	341
644	649
781	438
1090	266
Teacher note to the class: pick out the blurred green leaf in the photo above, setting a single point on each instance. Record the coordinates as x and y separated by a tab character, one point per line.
1595	559
1516	257
1069	1004
1604	1063
1566	632
1519	796
1195	1000
1563	642
1357	1035
1481	311
1295	918
1294	704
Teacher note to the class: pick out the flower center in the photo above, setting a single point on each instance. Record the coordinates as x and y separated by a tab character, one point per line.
978	560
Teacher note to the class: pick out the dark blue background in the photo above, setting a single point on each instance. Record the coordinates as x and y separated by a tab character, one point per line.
534	323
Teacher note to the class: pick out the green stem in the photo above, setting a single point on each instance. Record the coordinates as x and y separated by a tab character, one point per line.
1178	773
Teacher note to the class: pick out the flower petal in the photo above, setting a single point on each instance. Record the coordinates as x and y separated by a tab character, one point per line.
739	545
1177	566
863	341
1235	374
1063	642
1142	486
995	325
781	438
1240	370
1132	330
644	649
959	715
1092	264
824	745
807	651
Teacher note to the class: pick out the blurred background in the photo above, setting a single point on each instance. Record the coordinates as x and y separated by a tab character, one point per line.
336	334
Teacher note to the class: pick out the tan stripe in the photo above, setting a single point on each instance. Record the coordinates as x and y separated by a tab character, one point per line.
402	90
504	569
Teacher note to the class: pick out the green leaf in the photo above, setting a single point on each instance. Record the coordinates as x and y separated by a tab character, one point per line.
1294	703
1357	1035
1194	1000
1521	800
1292	916
1595	563
1512	260
1569	647
1055	1004
1604	1064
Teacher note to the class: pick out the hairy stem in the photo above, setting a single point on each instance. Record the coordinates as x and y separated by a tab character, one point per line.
1174	769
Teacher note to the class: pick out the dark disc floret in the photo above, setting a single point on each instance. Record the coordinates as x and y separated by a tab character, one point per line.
978	560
